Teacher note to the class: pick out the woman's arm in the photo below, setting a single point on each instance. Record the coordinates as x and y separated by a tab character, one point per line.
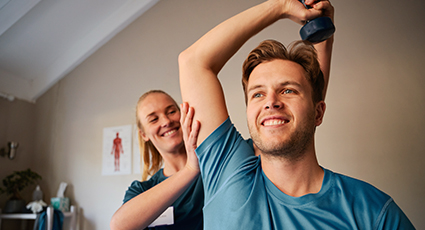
142	210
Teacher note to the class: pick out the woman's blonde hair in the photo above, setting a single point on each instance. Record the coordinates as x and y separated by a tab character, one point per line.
152	160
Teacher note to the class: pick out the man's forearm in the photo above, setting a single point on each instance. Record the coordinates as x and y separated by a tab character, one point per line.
324	55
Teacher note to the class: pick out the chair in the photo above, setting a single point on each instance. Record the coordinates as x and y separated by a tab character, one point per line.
72	216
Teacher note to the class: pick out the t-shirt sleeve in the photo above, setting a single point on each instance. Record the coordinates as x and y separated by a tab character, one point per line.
394	218
135	189
221	155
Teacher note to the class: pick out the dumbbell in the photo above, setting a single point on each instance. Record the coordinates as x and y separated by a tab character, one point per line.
318	29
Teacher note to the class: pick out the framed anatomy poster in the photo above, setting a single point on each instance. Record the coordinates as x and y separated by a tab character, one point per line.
116	155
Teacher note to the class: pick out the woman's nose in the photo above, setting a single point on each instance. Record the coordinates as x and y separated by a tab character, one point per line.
165	121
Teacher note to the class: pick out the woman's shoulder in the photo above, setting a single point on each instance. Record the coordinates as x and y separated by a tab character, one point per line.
157	178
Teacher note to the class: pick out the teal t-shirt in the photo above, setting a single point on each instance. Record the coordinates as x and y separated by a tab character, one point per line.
238	195
187	208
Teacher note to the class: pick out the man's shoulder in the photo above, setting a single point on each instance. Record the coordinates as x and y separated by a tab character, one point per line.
359	189
221	130
224	135
364	196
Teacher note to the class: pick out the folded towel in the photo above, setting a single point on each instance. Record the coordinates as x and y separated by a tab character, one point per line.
41	220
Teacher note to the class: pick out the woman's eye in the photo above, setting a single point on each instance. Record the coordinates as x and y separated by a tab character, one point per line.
153	120
172	111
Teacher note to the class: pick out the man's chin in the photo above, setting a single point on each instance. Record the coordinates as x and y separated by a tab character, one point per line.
268	146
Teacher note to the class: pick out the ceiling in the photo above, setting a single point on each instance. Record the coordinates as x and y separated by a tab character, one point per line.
43	40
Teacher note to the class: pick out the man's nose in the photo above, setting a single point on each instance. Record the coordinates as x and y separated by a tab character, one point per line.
273	102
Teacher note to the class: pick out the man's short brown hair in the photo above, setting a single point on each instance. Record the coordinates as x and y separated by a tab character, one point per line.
300	52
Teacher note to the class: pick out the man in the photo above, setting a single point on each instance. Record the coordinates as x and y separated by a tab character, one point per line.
284	188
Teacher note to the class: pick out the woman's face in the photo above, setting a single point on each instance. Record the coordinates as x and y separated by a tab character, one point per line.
160	119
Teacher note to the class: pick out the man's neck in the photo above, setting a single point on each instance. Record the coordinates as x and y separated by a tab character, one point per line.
294	178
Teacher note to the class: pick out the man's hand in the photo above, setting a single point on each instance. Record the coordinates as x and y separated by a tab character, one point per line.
296	11
324	6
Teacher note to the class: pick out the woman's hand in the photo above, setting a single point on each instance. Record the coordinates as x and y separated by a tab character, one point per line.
190	130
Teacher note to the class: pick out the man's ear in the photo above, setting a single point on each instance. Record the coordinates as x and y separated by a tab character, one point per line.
320	112
143	135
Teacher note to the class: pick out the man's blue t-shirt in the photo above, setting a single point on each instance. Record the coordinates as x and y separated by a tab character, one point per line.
187	208
238	195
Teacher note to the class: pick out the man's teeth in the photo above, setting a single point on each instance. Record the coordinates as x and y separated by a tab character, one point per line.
170	132
273	122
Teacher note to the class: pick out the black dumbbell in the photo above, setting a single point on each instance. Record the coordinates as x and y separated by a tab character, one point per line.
318	29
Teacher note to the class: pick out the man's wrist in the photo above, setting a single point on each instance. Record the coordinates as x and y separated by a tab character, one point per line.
278	8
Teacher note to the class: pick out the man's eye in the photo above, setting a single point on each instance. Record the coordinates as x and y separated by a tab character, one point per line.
287	91
257	95
172	111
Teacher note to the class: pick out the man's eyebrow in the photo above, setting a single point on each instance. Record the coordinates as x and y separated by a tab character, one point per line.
290	83
254	87
285	83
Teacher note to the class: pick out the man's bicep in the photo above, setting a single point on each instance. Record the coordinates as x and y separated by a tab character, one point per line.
201	89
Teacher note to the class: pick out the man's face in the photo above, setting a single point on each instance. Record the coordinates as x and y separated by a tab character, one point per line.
281	114
160	120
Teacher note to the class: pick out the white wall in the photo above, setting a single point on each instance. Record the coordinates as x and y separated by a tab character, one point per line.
374	126
16	124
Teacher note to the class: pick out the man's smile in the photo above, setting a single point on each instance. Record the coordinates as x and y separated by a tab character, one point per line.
274	120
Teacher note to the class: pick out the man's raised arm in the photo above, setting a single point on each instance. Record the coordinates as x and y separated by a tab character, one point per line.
324	49
200	64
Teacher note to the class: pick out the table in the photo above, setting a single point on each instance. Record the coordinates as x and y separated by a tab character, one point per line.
32	216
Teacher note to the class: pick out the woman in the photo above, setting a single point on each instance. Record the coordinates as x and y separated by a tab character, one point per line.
162	139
